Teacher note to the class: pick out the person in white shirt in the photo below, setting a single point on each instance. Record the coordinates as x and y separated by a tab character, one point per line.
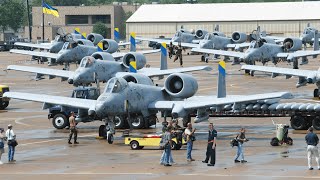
10	137
189	133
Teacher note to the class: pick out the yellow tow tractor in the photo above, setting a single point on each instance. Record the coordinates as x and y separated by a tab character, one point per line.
153	140
4	102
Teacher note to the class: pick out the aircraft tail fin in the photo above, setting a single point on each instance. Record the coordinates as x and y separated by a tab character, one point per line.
77	30
133	42
163	56
83	35
222	91
133	67
316	41
100	47
116	35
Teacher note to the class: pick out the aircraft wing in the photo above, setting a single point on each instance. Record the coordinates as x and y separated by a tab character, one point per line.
219	52
189	45
39	46
210	101
120	54
58	100
153	72
35	53
298	54
42	71
283	71
241	45
124	43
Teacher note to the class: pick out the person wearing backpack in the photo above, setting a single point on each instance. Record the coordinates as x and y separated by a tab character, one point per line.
241	138
2	140
11	137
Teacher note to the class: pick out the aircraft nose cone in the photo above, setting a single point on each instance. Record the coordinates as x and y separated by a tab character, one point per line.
70	81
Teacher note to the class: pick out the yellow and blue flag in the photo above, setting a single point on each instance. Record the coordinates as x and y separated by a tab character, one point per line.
46	9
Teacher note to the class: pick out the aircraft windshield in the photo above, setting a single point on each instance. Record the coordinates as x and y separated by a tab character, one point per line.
57	38
207	37
178	34
113	86
86	62
252	45
65	45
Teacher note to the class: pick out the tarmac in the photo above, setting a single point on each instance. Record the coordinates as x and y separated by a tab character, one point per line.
43	151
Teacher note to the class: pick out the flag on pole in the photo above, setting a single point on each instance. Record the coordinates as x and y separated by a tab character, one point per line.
46	9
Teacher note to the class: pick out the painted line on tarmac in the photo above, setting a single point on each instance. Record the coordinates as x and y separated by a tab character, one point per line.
258	176
52	140
81	173
18	121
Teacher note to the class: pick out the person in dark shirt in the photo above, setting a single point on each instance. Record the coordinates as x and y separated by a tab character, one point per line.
178	54
312	141
170	48
211	147
241	137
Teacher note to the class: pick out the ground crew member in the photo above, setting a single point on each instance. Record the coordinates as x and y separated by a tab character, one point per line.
312	141
2	140
178	55
73	128
170	48
189	133
211	147
11	143
241	138
166	158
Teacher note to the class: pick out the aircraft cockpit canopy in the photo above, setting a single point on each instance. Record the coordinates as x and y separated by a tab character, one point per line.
115	85
207	36
178	34
87	62
253	44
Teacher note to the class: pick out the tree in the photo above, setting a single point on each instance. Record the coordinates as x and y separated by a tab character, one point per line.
100	28
10	14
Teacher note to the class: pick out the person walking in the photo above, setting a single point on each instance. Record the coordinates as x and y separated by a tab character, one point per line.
170	48
241	138
73	128
2	140
211	147
178	55
166	158
189	134
312	141
11	137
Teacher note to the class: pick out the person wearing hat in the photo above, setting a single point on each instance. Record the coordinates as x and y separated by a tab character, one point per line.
2	140
10	137
312	141
73	128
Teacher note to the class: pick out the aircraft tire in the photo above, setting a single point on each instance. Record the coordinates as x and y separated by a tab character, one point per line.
60	121
102	131
298	122
316	93
110	138
137	122
274	142
3	104
119	122
316	122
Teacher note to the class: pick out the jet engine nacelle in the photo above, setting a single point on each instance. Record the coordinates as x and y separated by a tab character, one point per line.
239	37
292	44
94	38
84	42
200	33
103	56
140	59
180	85
138	78
109	45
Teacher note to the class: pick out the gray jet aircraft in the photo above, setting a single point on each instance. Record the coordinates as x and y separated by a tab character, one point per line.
143	101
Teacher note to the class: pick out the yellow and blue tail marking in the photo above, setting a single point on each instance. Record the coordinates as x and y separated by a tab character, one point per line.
222	68
84	35
133	67
77	30
133	41
116	34
100	47
163	49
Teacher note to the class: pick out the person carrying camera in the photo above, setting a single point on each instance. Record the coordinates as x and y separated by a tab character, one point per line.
241	138
189	133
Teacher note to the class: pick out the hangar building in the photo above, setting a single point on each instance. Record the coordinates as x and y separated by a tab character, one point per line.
277	18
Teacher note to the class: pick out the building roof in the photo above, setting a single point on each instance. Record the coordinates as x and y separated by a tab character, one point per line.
227	12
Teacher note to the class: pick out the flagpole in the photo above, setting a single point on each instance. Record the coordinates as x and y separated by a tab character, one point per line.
42	22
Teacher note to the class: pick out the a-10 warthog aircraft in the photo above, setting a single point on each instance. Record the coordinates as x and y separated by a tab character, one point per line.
92	69
138	102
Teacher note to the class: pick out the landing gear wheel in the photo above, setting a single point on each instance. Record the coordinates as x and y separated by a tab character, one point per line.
203	58
102	131
289	141
60	121
274	142
246	72
316	93
173	145
134	145
298	122
316	122
3	104
110	138
137	122
119	122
